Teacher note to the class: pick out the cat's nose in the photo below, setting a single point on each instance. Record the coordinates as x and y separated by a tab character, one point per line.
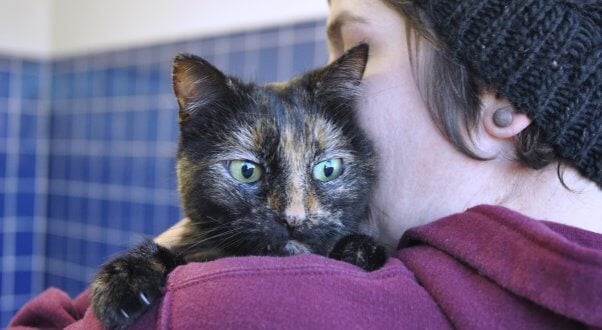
290	222
294	215
294	221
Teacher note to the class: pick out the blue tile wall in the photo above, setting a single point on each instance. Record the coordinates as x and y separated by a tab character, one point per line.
24	145
87	147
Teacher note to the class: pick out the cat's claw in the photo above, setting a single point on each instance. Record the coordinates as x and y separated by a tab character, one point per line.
124	313
144	298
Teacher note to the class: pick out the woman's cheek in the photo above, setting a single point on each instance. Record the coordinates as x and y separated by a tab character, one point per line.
354	33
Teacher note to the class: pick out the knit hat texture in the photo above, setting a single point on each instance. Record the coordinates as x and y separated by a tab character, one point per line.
544	56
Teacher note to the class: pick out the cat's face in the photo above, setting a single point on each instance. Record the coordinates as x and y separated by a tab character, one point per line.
277	169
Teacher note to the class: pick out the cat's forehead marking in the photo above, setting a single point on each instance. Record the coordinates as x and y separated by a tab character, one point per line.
294	153
258	133
243	136
325	133
303	138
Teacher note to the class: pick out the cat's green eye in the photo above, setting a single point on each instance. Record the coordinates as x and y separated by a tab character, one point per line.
328	170
245	171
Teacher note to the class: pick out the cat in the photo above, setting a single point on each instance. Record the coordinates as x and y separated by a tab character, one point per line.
277	169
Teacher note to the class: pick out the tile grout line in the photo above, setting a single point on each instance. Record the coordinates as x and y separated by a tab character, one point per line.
12	170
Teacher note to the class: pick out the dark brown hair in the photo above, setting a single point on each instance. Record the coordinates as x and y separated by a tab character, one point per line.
452	91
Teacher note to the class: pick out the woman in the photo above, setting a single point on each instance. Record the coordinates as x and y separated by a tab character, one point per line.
491	106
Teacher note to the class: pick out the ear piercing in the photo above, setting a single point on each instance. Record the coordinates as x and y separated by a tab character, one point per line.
502	117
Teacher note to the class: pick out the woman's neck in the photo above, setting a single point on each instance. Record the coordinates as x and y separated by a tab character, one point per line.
405	201
541	195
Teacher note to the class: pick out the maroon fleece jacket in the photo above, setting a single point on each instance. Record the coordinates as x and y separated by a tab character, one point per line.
488	267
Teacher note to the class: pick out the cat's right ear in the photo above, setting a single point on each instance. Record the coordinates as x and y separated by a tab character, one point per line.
344	75
195	83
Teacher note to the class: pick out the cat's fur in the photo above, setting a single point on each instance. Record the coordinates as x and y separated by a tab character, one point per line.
286	129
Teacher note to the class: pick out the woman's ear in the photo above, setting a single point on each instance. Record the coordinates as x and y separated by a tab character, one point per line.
499	118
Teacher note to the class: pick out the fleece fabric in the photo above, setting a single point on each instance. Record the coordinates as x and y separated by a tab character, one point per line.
488	267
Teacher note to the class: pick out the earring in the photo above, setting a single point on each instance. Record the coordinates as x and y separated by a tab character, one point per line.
502	117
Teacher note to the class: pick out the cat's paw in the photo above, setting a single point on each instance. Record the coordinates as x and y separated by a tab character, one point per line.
127	286
360	250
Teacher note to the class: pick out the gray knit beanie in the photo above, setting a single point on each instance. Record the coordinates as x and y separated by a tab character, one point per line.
544	56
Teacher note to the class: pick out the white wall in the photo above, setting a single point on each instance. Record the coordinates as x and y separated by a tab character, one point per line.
65	27
25	27
89	25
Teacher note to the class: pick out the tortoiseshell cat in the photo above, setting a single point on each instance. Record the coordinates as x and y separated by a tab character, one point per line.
279	169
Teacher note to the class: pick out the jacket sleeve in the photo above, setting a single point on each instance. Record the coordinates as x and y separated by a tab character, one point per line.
304	291
53	309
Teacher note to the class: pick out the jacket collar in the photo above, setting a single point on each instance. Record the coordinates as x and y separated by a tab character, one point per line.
553	265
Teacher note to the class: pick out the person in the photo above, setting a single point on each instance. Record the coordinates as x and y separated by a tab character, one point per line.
486	117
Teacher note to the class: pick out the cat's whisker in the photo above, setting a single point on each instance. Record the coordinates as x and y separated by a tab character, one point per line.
229	242
205	238
226	243
204	233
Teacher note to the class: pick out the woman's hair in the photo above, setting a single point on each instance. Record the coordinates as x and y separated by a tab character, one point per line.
452	91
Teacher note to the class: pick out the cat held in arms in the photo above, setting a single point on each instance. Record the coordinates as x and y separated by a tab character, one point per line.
264	170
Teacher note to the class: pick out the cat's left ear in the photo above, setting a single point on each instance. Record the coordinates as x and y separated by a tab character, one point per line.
196	82
344	75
